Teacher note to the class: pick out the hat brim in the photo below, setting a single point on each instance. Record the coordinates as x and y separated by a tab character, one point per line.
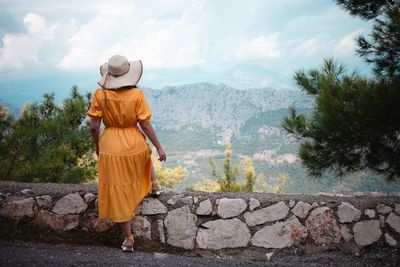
131	78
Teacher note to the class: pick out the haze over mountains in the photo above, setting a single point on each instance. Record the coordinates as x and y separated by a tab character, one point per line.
195	122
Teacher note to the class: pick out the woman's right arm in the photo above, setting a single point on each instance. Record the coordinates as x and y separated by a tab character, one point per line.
149	132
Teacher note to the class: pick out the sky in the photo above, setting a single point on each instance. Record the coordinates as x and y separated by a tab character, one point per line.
48	46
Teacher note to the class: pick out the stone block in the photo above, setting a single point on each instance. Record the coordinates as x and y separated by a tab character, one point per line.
271	213
280	235
367	232
322	226
301	209
89	197
57	222
96	224
181	228
44	201
228	208
18	208
394	222
253	203
205	207
383	209
369	213
348	213
218	234
70	204
152	206
141	227
390	240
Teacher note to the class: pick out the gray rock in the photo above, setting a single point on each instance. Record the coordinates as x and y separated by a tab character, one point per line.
180	198
383	209
57	222
27	192
367	232
205	207
394	222
181	227
161	234
3	196
152	206
70	204
44	201
397	208
228	207
280	235
231	233
348	213
292	203
253	203
195	200
314	205
301	209
95	224
347	236
322	226
271	213
141	227
370	213
18	208
89	197
390	240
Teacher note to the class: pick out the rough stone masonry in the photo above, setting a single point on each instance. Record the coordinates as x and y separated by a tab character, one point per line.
213	221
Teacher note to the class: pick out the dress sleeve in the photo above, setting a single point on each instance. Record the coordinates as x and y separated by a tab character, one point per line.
95	110
143	112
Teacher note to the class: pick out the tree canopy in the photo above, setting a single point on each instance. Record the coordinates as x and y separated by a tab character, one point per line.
356	121
47	142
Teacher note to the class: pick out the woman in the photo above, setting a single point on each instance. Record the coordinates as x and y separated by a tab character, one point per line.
124	167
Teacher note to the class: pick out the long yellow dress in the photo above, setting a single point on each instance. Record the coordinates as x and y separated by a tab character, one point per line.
124	167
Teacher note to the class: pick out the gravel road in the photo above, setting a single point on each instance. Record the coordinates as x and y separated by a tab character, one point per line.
22	253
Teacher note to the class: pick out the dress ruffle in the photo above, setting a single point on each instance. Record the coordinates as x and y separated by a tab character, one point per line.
123	182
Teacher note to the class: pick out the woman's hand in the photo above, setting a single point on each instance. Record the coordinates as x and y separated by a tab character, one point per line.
161	154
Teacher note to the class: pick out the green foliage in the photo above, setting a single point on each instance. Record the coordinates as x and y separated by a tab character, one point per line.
207	185
356	122
355	125
169	177
229	181
47	143
366	9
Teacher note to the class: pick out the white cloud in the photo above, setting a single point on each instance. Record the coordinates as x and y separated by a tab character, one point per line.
160	42
22	49
312	46
260	47
347	44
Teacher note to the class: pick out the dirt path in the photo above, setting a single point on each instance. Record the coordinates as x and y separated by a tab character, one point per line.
20	253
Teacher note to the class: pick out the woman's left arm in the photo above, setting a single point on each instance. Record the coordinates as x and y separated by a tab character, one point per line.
95	131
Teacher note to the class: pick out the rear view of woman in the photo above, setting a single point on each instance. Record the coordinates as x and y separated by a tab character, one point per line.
124	167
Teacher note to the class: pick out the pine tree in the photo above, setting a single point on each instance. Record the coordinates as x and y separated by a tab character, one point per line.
47	143
356	121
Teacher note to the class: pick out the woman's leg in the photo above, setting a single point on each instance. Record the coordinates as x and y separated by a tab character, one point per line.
126	228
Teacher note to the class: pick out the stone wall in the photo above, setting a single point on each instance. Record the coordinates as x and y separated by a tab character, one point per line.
202	223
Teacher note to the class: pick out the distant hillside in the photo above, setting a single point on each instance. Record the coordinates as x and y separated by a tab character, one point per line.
207	105
196	121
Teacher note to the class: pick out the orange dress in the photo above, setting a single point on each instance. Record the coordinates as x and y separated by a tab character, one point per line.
124	167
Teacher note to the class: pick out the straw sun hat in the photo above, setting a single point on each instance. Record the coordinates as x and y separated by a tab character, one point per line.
119	72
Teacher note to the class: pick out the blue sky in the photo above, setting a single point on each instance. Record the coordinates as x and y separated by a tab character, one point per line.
51	45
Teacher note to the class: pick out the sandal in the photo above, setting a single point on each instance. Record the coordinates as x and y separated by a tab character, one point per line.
127	246
156	189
